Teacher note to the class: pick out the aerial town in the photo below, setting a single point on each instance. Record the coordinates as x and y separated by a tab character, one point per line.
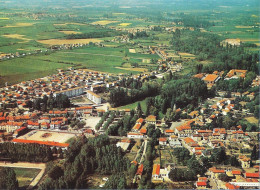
151	106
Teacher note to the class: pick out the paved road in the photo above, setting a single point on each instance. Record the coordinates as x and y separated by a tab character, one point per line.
40	166
144	152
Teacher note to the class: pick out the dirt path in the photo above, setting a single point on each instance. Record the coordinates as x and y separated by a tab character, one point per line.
40	166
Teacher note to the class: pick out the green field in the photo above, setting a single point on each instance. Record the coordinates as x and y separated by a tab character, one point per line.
134	105
94	58
21	29
25	175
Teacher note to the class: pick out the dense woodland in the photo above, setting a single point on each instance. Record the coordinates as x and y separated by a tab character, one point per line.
85	157
208	46
8	179
25	152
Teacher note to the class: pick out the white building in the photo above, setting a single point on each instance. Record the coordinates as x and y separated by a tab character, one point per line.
93	97
71	92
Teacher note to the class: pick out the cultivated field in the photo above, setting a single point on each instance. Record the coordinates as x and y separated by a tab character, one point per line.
19	25
68	41
104	22
69	32
125	24
17	36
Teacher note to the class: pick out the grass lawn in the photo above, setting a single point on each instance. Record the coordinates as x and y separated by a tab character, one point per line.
134	105
25	175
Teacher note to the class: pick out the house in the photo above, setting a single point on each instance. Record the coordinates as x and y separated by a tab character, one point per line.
211	79
33	125
151	119
84	109
135	135
164	172
139	171
183	131
252	175
143	131
163	141
235	74
201	184
231	186
55	124
140	121
156	172
11	126
169	132
174	141
136	127
245	161
216	172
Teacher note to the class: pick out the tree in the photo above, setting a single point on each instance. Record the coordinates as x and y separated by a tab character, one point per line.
218	155
223	177
254	154
55	172
8	179
234	161
139	111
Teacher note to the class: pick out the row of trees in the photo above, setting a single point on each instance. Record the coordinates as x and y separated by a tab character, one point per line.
25	152
61	101
138	34
122	126
96	34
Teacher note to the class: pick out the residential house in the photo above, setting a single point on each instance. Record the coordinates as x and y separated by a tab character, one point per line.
151	119
135	135
174	141
156	172
163	141
245	161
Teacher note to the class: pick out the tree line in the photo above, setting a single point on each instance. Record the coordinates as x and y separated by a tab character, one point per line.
61	101
96	34
26	152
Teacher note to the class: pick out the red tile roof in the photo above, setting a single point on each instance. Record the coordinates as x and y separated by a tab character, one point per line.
156	169
49	143
210	78
201	183
236	172
230	186
252	175
144	131
140	170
